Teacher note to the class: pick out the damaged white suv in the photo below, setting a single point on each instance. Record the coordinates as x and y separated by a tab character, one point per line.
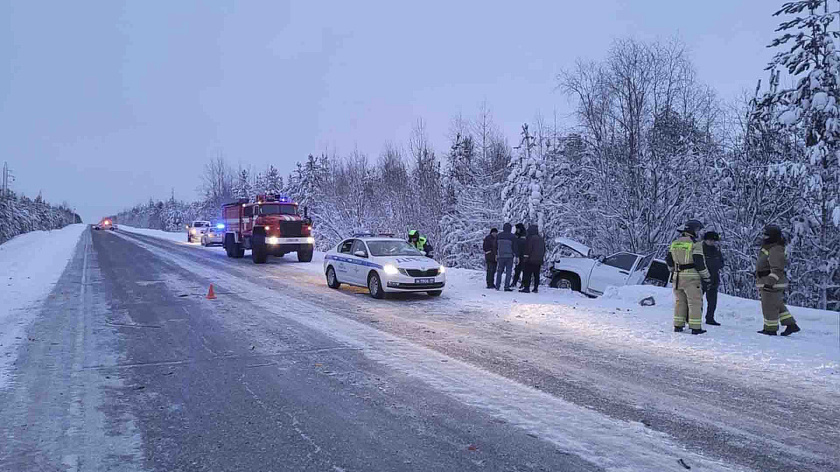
579	269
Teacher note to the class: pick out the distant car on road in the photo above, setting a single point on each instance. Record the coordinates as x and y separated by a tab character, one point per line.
106	223
196	230
383	264
579	269
214	236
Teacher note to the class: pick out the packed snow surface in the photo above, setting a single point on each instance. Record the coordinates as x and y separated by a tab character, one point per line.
30	264
808	359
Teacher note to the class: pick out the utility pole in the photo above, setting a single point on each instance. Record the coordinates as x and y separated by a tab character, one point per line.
7	179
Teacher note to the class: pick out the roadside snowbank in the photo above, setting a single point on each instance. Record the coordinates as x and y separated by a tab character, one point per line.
618	321
30	264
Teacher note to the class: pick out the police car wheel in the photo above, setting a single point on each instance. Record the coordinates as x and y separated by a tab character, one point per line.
332	280
375	286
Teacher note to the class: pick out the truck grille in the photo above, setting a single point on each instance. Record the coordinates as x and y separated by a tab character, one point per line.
422	273
291	229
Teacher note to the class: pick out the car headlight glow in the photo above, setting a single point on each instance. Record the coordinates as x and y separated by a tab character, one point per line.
441	270
390	269
192	231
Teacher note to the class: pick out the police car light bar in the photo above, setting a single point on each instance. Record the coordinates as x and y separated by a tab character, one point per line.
368	234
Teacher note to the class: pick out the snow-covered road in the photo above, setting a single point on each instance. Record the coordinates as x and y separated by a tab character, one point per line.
501	381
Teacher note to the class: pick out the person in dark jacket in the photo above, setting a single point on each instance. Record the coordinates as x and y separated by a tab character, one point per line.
714	262
519	268
504	257
490	256
534	255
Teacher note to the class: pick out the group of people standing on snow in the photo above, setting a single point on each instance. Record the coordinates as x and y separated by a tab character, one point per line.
521	252
695	271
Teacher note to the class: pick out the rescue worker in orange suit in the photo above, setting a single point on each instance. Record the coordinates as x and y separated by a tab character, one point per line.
772	282
687	263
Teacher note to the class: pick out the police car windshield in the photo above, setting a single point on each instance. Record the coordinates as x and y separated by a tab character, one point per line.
392	248
201	224
277	209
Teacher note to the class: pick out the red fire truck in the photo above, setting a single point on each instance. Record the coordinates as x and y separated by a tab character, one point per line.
270	226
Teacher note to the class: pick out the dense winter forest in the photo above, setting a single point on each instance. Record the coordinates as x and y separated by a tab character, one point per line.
650	148
20	215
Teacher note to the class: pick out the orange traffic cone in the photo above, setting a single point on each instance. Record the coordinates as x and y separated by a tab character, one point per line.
210	294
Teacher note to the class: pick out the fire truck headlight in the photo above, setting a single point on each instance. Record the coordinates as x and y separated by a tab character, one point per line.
310	240
390	269
273	240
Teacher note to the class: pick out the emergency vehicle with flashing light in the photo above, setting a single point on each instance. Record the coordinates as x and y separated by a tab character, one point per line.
383	264
272	225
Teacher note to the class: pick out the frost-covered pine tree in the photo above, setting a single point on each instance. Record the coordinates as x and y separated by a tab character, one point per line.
523	191
272	181
242	185
810	109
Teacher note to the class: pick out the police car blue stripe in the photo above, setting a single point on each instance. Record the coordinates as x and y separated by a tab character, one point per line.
353	261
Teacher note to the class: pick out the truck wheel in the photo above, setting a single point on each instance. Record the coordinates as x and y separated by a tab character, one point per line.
259	253
375	286
566	281
228	245
238	252
305	255
332	280
435	293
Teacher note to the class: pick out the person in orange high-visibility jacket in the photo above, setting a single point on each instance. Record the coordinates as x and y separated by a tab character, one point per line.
772	281
688	275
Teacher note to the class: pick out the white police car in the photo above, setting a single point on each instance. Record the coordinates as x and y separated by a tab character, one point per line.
383	264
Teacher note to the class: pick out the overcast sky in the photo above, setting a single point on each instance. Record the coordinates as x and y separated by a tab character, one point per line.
106	103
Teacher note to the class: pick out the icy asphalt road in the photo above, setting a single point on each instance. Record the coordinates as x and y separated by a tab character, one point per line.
129	368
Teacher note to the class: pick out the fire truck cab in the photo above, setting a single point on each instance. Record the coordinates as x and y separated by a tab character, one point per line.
270	226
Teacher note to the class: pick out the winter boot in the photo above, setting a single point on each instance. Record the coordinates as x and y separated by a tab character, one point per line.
712	322
767	332
697	331
491	287
536	290
508	289
524	290
678	329
790	329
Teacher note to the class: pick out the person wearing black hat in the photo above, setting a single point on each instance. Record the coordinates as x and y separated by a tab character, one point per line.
688	266
772	281
714	262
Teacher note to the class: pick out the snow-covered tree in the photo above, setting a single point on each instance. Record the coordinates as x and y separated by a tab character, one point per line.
523	191
242	185
810	109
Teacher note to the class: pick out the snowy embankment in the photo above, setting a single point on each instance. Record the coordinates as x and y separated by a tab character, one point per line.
618	322
30	265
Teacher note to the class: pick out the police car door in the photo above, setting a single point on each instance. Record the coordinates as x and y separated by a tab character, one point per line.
359	268
342	271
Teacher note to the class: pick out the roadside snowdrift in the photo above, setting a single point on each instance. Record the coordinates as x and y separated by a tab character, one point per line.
30	264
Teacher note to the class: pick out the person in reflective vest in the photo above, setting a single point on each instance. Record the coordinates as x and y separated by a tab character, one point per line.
772	281
687	263
420	242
